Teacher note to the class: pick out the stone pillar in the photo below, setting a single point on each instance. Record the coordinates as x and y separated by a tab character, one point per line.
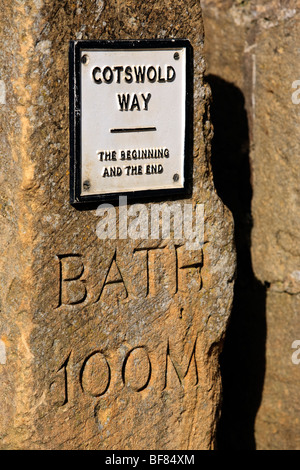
104	344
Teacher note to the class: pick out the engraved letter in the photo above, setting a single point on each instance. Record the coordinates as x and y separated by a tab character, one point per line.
95	374
59	386
188	269
72	290
136	370
113	277
179	369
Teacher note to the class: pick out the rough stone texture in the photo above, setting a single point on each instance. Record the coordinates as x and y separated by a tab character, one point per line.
104	344
278	420
252	52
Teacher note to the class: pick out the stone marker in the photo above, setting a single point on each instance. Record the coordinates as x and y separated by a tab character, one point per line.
105	344
254	46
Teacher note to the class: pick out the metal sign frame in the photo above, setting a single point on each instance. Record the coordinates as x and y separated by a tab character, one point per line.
75	52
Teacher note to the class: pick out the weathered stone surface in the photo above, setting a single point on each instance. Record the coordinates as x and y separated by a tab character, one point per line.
253	47
276	177
104	344
276	231
278	420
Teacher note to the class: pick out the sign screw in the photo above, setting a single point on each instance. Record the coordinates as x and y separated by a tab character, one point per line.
176	56
86	185
176	177
84	59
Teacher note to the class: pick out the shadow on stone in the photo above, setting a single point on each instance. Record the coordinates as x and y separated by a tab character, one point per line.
243	358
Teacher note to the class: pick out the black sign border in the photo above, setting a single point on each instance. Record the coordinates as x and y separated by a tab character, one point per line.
76	199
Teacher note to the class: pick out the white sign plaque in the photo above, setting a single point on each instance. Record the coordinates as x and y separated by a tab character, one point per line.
129	115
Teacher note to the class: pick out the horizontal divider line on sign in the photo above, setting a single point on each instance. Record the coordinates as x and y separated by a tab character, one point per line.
133	129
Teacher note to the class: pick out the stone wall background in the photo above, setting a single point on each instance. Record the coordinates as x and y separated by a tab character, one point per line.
252	53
